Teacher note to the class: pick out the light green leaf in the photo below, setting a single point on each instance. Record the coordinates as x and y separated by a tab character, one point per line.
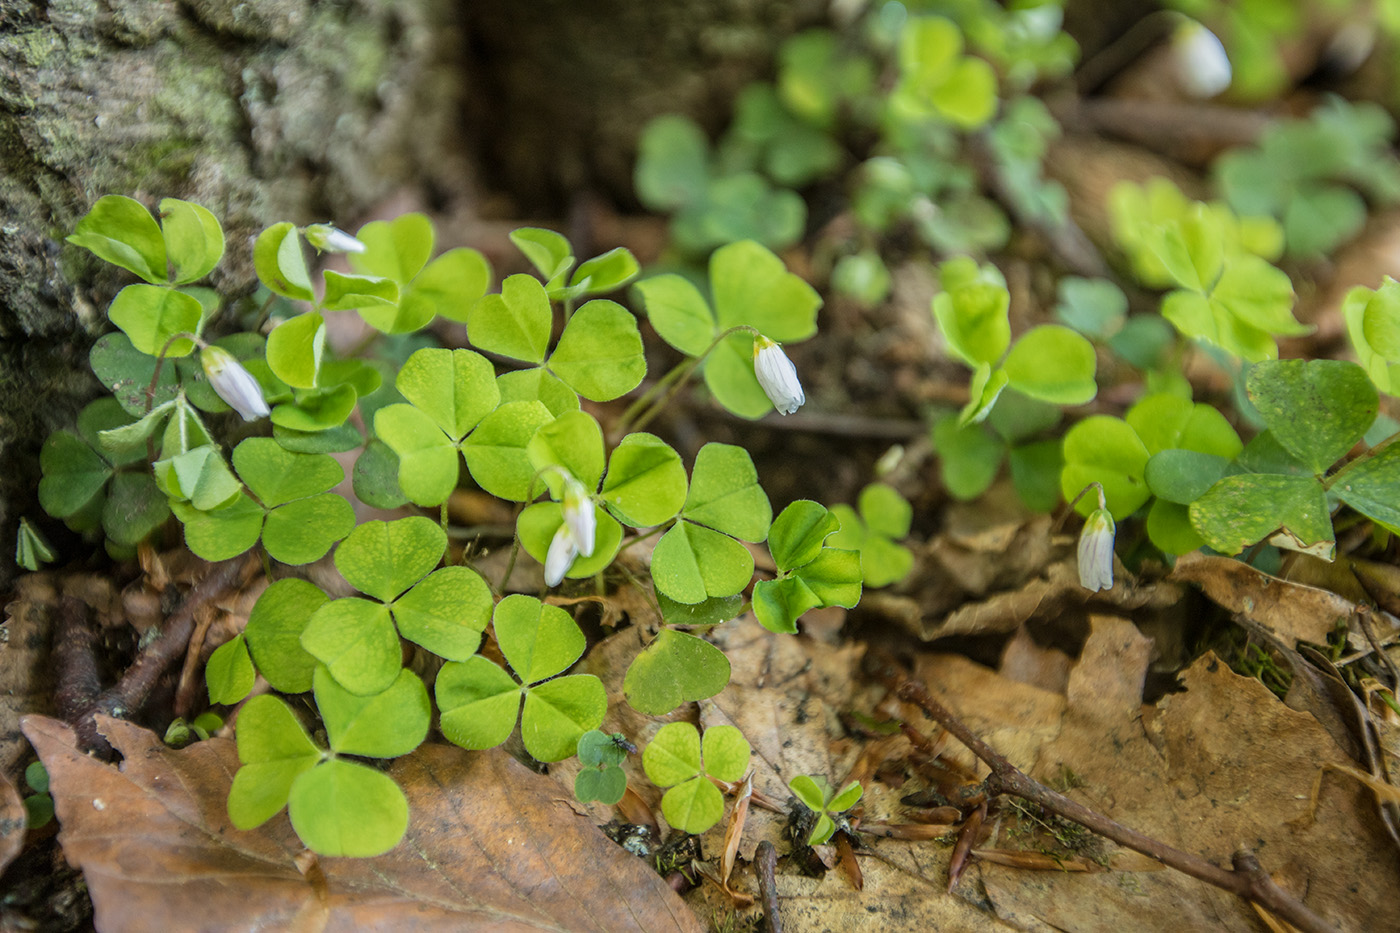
538	523
303	531
456	388
537	640
672	755
1372	487
427	458
383	559
537	385
798	532
194	241
450	286
752	286
516	323
645	484
692	563
151	315
280	264
558	712
370	293
778	604
384	725
224	533
679	314
574	441
600	353
274	750
1106	450
607	272
672	158
229	673
446	612
969	457
725	494
479	703
355	639
340	808
1316	409
295	349
277	476
974	320
496	451
123	232
549	252
676	668
274	633
394	249
1052	364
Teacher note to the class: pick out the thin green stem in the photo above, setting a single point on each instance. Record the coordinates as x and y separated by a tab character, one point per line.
639	415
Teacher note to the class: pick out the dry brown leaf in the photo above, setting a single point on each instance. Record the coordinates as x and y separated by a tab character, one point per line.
491	845
1292	611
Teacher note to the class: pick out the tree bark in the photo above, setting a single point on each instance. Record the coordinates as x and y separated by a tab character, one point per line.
261	110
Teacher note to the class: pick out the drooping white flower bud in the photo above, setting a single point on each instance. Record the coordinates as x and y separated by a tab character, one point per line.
1096	551
234	384
1202	67
562	551
777	375
580	516
331	239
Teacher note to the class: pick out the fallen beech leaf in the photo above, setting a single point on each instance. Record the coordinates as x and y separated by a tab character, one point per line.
490	845
1292	611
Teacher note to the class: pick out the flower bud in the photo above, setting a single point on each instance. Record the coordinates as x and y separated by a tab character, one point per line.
234	384
1096	551
331	239
1203	67
562	551
777	376
580	515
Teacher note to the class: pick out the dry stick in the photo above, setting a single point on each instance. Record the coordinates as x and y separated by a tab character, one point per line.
765	862
1248	880
75	659
130	693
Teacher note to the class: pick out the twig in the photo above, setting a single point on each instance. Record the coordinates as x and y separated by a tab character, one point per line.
1248	880
75	658
765	862
1363	615
131	691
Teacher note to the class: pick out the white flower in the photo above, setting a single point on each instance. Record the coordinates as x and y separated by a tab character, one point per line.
1202	66
233	383
580	516
777	375
562	551
332	239
1096	551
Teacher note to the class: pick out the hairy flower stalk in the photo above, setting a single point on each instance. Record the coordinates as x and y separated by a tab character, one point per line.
777	376
330	239
562	551
1096	551
234	384
580	516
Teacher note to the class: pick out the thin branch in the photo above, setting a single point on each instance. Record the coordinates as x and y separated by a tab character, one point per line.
1248	880
764	863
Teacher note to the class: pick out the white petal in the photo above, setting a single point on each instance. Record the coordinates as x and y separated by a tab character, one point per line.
777	376
560	558
234	384
1202	65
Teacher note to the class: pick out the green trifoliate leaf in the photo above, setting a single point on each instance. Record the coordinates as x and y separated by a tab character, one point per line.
151	315
606	786
597	748
549	252
1169	528
983	392
1052	364
304	530
678	312
573	441
123	232
600	354
1373	323
356	640
537	640
229	673
479	703
729	375
558	711
74	474
673	755
126	372
275	750
135	507
974	320
713	611
725	753
1105	450
384	725
277	476
676	668
885	511
1241	510
496	451
274	633
1164	421
376	477
798	532
645	484
516	323
1183	476
198	476
445	612
834	577
1316	409
456	388
1095	307
340	808
194	241
224	533
693	806
752	286
725	494
280	264
394	249
692	563
383	559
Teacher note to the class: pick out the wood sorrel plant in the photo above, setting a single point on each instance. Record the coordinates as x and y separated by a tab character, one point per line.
147	453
